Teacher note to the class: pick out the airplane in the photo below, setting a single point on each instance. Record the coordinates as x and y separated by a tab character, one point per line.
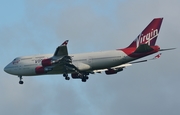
81	65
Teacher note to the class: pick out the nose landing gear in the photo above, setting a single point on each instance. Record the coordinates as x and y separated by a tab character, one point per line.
20	81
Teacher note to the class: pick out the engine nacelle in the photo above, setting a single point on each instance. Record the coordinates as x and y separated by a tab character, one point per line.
113	71
75	76
46	62
42	70
110	71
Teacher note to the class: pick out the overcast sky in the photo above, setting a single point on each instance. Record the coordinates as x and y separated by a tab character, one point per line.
30	27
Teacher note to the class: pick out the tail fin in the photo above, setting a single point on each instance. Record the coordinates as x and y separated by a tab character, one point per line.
149	34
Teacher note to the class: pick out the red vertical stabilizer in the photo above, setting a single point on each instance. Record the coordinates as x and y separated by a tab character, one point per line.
149	34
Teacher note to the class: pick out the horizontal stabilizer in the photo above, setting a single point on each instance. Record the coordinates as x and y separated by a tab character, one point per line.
156	57
167	49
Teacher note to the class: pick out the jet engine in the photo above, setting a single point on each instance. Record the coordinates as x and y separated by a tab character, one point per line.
47	62
113	71
42	70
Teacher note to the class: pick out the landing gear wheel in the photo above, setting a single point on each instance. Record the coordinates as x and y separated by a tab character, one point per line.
84	79
65	75
67	78
21	82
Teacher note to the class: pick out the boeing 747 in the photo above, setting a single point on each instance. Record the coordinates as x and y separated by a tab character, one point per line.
81	65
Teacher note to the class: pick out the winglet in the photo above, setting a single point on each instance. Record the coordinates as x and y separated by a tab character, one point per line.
65	43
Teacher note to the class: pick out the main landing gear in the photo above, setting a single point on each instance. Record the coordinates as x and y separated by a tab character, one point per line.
66	76
84	78
20	81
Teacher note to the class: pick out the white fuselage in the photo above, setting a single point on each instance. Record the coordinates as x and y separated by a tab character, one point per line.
25	66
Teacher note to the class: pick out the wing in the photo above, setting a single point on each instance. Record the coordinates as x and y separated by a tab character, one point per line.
60	61
114	70
62	49
64	63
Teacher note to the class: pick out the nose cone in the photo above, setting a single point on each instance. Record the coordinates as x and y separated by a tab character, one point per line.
6	69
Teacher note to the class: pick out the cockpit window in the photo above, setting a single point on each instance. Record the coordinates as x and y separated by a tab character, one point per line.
15	61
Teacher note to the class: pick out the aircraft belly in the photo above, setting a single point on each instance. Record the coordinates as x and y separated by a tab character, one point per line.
23	71
28	71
